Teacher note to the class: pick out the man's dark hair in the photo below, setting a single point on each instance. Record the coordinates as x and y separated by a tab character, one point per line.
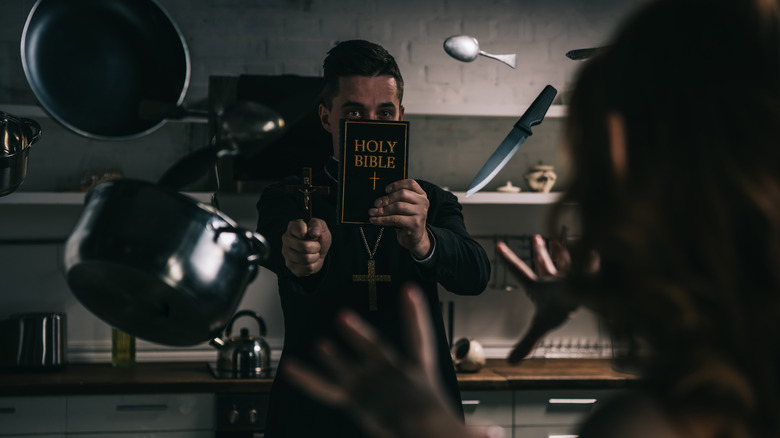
358	58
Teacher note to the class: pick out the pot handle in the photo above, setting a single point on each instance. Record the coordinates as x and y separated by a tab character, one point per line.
241	313
259	244
36	130
255	240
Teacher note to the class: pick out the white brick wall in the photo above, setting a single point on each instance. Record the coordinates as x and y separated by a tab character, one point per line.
231	37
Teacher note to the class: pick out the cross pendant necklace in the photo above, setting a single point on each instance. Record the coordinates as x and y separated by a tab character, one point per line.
371	277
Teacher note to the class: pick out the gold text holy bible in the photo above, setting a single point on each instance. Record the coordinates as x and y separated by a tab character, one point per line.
373	155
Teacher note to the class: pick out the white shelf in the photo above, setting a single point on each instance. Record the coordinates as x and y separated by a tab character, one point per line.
77	198
32	111
428	109
69	198
43	198
37	112
522	198
421	109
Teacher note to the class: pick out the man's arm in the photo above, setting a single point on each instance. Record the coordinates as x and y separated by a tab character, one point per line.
459	263
429	223
277	214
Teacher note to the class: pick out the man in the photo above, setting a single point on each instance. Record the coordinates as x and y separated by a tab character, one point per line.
417	235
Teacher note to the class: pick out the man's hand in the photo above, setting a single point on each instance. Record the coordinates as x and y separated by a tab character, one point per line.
405	207
389	394
304	246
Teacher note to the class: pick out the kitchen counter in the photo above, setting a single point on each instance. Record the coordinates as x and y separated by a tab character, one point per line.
197	377
546	374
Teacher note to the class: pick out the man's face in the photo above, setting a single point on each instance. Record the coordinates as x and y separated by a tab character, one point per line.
361	97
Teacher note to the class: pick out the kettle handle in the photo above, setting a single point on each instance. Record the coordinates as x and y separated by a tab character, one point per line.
241	313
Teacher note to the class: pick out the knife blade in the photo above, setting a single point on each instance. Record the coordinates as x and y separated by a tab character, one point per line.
520	131
582	54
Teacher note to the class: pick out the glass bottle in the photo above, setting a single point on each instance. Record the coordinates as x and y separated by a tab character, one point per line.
122	348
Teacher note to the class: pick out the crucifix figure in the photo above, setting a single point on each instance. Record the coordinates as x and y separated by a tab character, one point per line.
371	278
307	189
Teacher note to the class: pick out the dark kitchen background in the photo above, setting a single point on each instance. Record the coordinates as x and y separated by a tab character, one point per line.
458	113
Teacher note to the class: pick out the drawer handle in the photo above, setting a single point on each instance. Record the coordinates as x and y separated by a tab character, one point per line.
572	401
141	408
7	410
563	436
470	402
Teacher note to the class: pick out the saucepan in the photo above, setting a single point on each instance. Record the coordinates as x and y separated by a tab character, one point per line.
158	264
16	137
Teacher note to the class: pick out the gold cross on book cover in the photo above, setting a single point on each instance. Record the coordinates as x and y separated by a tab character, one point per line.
373	154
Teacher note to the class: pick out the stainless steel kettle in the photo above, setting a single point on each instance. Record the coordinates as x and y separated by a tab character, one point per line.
243	356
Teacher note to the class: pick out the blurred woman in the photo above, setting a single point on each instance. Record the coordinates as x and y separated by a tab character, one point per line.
674	136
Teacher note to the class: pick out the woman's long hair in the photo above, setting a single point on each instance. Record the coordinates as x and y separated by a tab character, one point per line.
689	236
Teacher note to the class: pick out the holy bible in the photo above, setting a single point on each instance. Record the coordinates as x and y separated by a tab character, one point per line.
373	154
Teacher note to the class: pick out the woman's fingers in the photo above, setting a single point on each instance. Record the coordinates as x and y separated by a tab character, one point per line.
312	382
418	331
561	255
519	268
542	259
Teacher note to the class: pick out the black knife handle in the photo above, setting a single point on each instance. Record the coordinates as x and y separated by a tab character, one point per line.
536	112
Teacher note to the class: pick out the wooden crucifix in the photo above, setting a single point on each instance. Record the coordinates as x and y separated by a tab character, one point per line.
307	189
371	278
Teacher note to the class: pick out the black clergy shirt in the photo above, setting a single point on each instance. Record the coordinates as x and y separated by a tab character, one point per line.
310	303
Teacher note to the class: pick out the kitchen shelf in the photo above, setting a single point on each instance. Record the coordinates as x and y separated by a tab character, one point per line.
521	198
43	198
68	198
37	112
77	198
437	109
419	109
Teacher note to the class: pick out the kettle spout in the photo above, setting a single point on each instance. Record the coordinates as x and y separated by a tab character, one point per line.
217	343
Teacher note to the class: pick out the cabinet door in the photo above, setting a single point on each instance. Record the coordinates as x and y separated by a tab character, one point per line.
187	434
558	407
140	413
32	415
545	432
487	408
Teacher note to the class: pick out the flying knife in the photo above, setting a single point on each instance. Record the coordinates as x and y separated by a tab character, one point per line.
582	54
522	129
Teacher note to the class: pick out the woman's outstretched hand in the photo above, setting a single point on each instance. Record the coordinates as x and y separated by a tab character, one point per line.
387	393
545	288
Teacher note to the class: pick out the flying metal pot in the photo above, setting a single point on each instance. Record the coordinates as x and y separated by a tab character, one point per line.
158	264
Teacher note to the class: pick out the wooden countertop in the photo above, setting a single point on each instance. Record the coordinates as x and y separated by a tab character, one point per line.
545	374
197	377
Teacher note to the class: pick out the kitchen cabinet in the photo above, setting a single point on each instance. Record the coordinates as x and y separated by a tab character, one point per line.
533	413
33	416
141	413
488	408
158	415
548	413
